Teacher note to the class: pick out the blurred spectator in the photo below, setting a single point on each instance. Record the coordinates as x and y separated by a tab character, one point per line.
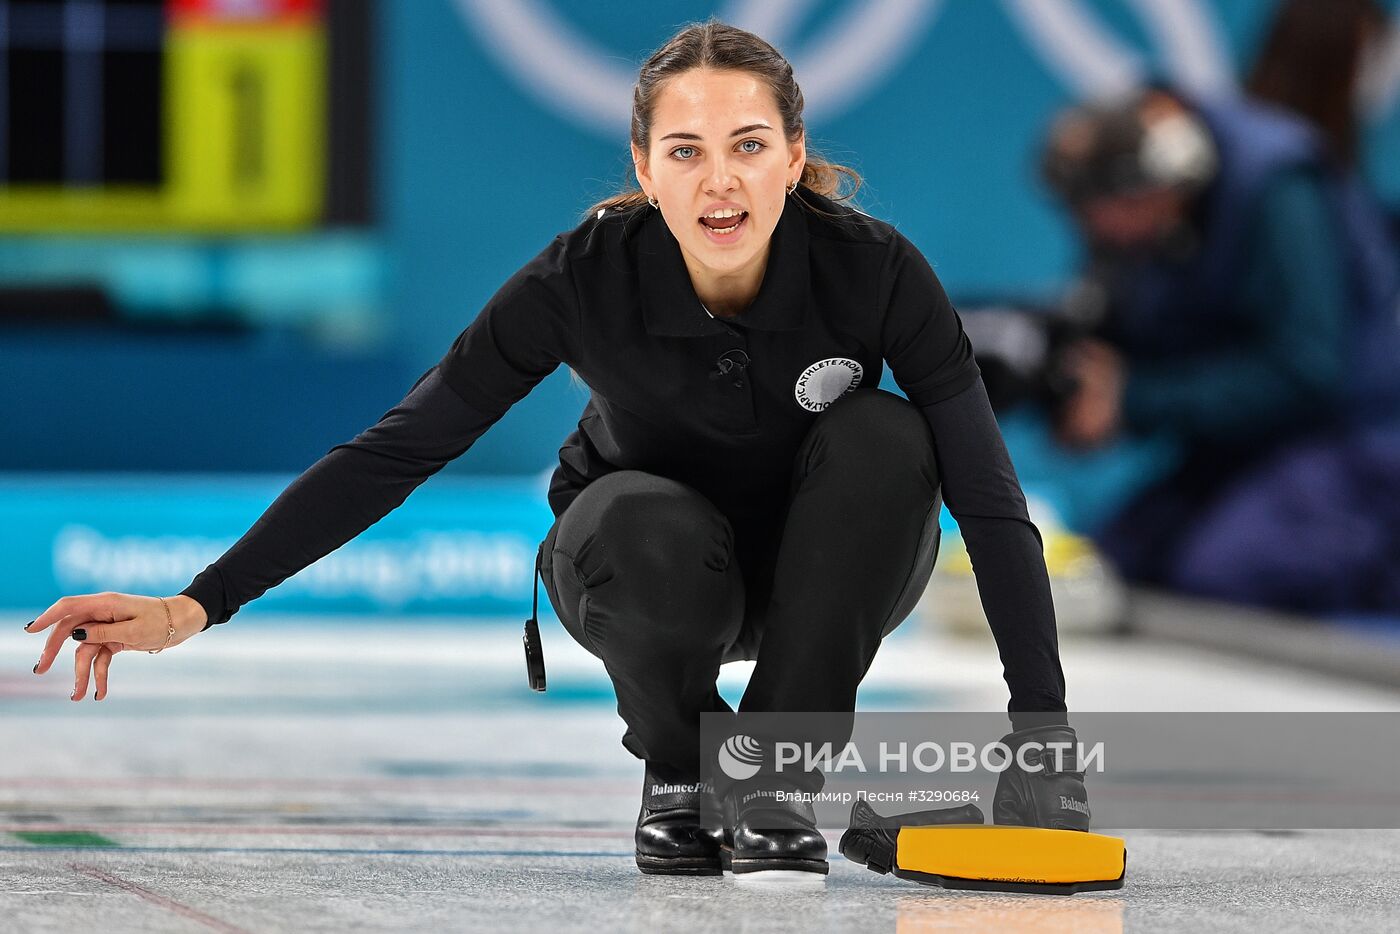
1311	64
1238	296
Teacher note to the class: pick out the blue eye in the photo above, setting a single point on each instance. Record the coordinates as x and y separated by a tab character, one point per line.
758	144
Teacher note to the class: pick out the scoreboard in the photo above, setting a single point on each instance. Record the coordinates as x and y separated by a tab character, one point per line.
162	115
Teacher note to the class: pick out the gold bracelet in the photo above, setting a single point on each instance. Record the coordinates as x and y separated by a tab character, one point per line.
170	624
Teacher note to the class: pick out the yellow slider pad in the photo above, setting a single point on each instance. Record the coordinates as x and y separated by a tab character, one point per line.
1005	858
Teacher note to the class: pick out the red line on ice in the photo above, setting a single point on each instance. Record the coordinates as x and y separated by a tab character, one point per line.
155	898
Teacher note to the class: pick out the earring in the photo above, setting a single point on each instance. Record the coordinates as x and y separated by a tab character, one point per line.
653	202
792	187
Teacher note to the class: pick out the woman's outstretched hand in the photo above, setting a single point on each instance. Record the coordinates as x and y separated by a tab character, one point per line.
107	623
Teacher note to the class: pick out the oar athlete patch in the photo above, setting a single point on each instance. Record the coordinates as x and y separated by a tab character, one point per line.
827	380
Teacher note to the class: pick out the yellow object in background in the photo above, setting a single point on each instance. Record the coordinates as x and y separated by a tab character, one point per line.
247	104
243	107
1088	594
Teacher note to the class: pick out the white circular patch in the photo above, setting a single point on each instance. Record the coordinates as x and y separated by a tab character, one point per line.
827	380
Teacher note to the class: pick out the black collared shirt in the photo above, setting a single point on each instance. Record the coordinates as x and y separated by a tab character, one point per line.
612	299
721	404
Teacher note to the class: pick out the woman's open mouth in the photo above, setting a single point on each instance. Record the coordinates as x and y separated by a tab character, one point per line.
724	229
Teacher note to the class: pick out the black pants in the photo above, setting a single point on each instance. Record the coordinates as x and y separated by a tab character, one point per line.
649	576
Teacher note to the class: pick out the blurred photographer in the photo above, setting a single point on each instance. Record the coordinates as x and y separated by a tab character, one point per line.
1237	296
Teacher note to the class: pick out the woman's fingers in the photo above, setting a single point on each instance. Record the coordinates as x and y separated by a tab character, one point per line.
78	612
64	616
124	633
85	606
82	664
100	667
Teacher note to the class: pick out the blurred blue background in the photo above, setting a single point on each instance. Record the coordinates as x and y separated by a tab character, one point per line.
453	140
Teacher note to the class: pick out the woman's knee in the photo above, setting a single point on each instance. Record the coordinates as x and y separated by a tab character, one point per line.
644	520
875	419
877	434
652	548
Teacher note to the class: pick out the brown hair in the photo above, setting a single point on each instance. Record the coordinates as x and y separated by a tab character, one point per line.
717	45
1310	62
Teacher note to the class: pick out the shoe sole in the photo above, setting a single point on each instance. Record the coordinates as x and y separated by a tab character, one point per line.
741	867
679	866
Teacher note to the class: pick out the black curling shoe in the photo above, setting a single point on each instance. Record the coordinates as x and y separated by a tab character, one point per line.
763	831
670	837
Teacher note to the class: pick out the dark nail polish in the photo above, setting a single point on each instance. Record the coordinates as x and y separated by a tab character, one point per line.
73	696
80	634
36	668
28	624
94	695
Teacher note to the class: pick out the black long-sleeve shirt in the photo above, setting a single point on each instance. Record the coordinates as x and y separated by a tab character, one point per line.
842	294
